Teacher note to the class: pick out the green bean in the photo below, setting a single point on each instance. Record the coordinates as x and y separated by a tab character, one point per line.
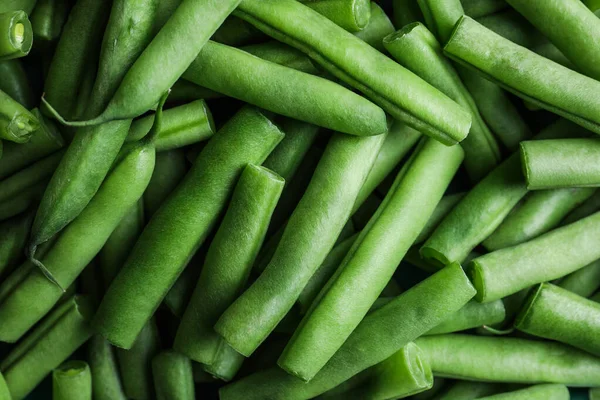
481	8
14	82
16	123
536	392
184	91
471	315
282	54
105	371
226	364
560	163
514	27
554	313
358	64
237	32
4	391
478	48
379	26
504	359
17	35
380	335
173	377
538	213
583	282
13	235
48	18
182	223
84	96
589	207
13	5
352	15
406	12
169	170
414	44
443	208
72	381
394	227
467	390
308	236
22	202
289	92
47	346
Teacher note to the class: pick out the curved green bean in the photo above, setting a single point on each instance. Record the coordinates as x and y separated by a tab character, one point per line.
472	315
17	35
505	359
536	392
105	371
173	376
17	124
360	65
13	235
308	236
336	311
48	18
352	15
72	381
379	26
584	282
14	82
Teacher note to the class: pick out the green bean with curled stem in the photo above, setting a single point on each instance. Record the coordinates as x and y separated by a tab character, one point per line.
584	282
72	380
173	376
105	370
379	26
17	35
14	82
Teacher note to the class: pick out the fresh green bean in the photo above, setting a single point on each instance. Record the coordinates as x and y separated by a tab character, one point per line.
173	376
360	65
105	371
481	8
524	73
538	213
4	391
23	201
443	208
560	163
307	239
406	12
13	5
505	359
394	227
584	282
13	235
237	32
471	315
47	346
468	390
226	364
536	392
48	18
417	49
379	26
14	82
554	313
17	124
589	207
289	92
282	54
72	381
380	335
182	223
17	35
169	170
352	15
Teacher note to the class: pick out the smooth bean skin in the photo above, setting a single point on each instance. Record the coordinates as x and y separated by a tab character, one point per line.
472	315
536	392
182	223
561	163
307	238
583	282
352	15
17	124
523	74
285	91
17	35
417	49
337	311
554	313
105	371
46	347
173	376
228	262
48	18
379	26
72	381
538	213
361	66
13	235
550	256
380	335
14	82
505	359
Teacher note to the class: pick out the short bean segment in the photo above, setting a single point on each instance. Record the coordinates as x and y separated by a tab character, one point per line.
472	315
417	49
307	238
228	262
505	359
380	335
105	370
72	381
183	223
538	213
46	347
17	35
583	282
17	124
14	82
360	65
336	311
557	314
379	26
173	376
352	15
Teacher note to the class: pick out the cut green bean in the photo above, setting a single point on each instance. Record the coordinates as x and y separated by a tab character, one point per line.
282	54
536	392
291	93
589	207
468	390
538	213
136	363
308	237
472	315
48	18
379	26
584	282
226	364
418	50
228	262
336	311
105	371
560	163
14	82
352	15
504	359
173	376
72	381
443	208
406	12
182	223
16	123
17	35
380	335
169	170
480	8
554	313
360	65
479	49
46	347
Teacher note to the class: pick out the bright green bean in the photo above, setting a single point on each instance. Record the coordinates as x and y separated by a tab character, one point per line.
17	124
47	346
589	207
443	208
283	54
169	170
406	12
12	5
352	15
538	213
17	35
13	234
480	8
308	237
380	335
584	282
14	82
336	311
182	223
226	364
105	371
48	18
379	26
472	315
360	65
72	381
468	390
173	376
504	359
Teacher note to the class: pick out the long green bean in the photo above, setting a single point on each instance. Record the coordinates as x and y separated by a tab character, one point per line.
173	377
584	282
72	381
536	392
105	371
472	315
23	201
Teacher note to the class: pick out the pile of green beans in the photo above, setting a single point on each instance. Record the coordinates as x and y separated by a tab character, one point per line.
299	199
